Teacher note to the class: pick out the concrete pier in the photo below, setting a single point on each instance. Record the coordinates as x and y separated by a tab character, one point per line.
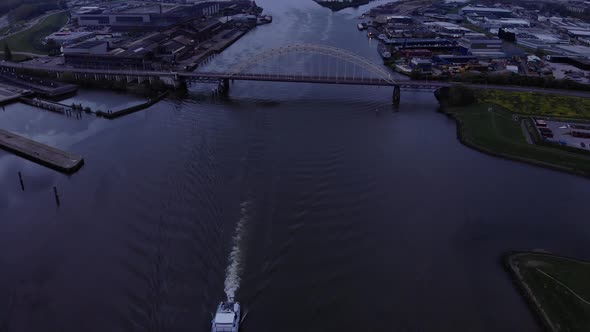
40	153
9	93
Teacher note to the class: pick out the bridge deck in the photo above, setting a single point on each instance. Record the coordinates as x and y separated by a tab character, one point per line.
212	77
40	153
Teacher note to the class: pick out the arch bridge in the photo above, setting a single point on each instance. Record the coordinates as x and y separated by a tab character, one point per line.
330	66
284	64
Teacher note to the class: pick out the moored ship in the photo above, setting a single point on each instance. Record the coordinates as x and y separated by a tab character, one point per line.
336	5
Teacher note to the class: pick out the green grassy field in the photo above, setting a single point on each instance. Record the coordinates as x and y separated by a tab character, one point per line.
538	104
19	57
559	287
28	40
496	132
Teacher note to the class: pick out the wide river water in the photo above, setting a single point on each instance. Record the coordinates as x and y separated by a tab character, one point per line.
314	211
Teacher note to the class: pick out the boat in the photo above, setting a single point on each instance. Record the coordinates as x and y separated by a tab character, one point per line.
339	5
227	317
361	26
372	32
265	19
384	51
403	69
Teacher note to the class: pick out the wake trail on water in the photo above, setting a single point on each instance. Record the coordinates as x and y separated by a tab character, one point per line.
235	260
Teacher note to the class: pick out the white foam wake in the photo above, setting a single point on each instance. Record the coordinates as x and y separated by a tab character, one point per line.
234	267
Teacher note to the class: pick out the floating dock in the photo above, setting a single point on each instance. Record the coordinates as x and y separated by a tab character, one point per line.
40	153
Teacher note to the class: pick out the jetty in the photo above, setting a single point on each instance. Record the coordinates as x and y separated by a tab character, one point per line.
40	153
10	93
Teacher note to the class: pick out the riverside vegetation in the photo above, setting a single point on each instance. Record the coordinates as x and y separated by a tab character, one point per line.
556	287
493	122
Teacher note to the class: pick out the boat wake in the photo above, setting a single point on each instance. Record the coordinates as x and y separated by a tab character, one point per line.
234	267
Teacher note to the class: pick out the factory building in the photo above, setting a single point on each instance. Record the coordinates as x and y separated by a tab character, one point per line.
485	11
149	21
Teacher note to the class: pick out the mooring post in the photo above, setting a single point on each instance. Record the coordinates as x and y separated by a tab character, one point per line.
20	179
225	86
56	195
396	95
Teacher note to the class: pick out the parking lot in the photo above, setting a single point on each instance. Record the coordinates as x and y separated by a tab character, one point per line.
572	134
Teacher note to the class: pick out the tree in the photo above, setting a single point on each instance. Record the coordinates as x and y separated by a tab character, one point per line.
460	95
68	77
416	74
52	47
506	35
7	53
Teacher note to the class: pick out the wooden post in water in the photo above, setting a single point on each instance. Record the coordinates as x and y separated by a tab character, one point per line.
20	179
396	95
56	195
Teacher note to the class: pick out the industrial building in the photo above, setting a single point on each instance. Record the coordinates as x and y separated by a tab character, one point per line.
423	66
65	38
156	50
573	50
97	54
485	11
422	43
148	20
447	30
497	23
481	47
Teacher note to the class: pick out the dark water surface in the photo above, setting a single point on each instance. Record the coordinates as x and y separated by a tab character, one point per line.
316	212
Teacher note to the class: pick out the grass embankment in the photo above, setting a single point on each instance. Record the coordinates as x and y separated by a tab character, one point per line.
19	57
30	40
496	132
556	287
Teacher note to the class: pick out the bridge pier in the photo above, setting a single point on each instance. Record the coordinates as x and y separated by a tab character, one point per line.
224	87
396	95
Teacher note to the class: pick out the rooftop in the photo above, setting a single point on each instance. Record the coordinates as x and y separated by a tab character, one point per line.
224	318
485	9
575	49
89	44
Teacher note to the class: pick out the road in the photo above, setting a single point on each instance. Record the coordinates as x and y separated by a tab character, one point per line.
296	79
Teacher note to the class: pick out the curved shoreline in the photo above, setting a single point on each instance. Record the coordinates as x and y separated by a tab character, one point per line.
517	278
460	135
528	296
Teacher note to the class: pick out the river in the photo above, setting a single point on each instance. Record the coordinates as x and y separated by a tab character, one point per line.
316	212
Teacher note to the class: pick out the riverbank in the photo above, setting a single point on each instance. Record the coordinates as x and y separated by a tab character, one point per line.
499	123
555	287
490	129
